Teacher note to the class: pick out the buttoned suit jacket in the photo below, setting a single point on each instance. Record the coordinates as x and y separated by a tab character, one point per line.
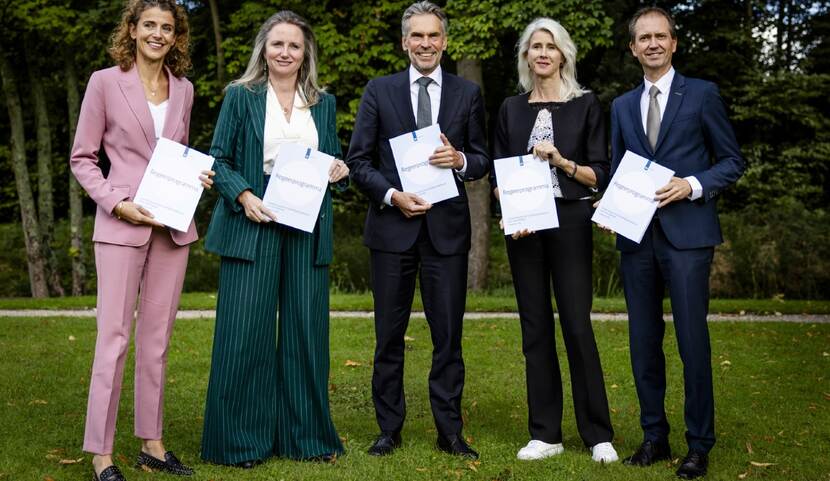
386	112
238	148
695	139
114	114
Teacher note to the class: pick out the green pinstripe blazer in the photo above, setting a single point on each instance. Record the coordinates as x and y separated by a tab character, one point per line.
237	147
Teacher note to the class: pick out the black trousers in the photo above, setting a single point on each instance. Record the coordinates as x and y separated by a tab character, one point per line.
646	272
561	256
443	291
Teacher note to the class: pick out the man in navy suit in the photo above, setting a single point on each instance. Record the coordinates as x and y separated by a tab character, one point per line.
405	233
680	123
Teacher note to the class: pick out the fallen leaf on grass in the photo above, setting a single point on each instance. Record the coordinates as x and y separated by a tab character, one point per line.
421	470
726	363
52	457
614	386
38	401
350	363
761	465
72	338
749	447
146	469
122	458
70	461
472	467
48	478
826	396
407	338
743	475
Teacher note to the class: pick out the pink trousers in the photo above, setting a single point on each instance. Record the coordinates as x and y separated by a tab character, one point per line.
152	275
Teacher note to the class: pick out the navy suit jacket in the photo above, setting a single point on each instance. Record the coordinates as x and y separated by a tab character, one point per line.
696	139
386	112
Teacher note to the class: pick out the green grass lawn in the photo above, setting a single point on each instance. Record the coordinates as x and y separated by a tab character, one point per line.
772	388
501	300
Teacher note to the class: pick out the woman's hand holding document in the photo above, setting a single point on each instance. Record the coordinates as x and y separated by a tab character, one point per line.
172	184
418	176
525	194
629	202
297	186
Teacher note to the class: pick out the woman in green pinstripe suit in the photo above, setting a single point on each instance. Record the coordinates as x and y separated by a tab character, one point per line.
267	394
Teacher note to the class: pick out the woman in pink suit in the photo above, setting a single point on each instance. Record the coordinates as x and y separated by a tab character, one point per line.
126	108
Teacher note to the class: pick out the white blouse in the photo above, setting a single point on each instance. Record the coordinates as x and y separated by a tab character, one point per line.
278	130
158	112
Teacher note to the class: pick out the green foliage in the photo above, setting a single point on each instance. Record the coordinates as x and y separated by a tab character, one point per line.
782	250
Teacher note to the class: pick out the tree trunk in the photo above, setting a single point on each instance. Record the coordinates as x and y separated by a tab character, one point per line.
478	193
45	198
28	216
76	212
217	37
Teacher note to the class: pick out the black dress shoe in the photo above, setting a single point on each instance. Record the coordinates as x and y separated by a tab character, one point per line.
111	473
455	444
694	465
385	444
170	465
251	464
649	453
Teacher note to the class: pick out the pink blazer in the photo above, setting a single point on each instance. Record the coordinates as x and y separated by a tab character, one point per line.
115	114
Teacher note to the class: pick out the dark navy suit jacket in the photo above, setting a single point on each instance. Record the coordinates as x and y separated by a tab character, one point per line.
386	112
696	139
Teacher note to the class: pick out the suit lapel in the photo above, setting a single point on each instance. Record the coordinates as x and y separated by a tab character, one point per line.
637	118
133	91
317	115
402	101
175	106
449	99
676	94
256	105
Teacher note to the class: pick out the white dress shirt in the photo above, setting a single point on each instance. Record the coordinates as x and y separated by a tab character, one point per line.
158	112
664	86
434	90
300	129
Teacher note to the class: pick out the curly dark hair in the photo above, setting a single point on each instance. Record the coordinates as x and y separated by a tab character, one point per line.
122	46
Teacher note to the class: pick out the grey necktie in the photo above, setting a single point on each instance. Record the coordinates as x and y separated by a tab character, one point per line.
653	119
424	115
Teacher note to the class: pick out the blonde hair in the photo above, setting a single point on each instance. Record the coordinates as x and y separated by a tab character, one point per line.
569	87
256	73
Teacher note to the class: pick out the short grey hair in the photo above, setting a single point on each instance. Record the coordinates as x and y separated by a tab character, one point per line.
423	7
569	87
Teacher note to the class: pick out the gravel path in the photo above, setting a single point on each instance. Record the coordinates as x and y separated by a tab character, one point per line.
597	316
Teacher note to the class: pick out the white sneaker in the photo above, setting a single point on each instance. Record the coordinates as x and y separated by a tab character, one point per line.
604	453
539	450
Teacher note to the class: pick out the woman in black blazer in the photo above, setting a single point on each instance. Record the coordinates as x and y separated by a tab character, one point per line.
561	123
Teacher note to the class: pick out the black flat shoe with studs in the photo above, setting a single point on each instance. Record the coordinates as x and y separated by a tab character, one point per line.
111	473
170	465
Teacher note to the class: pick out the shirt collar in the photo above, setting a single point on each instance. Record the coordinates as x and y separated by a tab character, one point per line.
437	75
663	83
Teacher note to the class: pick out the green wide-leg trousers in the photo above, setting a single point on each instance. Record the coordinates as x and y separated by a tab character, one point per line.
268	389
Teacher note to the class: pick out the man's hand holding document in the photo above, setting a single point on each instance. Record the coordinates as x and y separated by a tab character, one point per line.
525	194
297	186
170	188
412	151
629	202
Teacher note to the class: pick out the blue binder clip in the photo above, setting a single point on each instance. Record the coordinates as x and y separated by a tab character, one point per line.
648	164
414	136
521	161
186	150
308	153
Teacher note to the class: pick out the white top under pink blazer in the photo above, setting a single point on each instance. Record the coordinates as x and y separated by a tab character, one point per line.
115	114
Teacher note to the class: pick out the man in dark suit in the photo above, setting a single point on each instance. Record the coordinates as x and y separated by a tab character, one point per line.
405	233
680	123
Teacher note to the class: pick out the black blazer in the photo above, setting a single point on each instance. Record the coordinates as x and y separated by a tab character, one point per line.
578	130
386	112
